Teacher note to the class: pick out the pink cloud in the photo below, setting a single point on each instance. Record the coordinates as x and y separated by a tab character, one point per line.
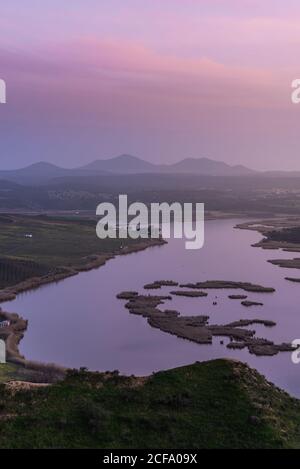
109	90
90	66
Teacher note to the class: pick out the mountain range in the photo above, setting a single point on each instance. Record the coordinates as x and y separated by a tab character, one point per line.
43	172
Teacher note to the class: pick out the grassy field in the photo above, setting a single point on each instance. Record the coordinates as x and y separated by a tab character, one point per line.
10	371
217	404
54	243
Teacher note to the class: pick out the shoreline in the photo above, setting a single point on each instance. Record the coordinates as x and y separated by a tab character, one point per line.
94	261
264	227
97	260
14	333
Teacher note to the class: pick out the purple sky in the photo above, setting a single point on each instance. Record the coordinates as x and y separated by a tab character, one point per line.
160	79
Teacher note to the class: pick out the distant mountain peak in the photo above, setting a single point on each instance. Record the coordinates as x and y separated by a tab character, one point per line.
127	156
124	164
207	166
42	165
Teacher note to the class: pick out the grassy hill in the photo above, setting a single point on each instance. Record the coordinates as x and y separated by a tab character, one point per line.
216	404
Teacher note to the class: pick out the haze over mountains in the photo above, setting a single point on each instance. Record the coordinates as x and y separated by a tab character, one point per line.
44	186
127	165
43	172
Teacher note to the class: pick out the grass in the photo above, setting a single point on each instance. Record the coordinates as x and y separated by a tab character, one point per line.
217	404
55	242
16	270
9	371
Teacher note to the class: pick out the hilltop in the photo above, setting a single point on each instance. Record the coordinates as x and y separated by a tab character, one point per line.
216	404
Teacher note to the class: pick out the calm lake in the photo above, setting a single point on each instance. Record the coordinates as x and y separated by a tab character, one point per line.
79	322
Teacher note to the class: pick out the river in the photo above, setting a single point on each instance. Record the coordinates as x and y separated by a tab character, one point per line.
80	322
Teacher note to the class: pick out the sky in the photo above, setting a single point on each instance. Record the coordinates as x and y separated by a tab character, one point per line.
160	79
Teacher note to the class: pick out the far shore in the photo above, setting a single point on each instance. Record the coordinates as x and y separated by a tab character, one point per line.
266	226
93	262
